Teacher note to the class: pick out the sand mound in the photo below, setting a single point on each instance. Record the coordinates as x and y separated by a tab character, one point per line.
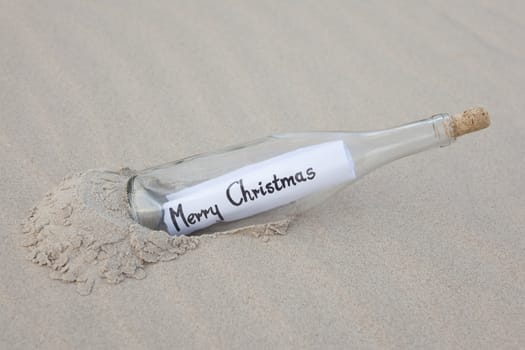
82	232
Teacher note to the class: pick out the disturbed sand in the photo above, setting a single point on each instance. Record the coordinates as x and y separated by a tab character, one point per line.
82	231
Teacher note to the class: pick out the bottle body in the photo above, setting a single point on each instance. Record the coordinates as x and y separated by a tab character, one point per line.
271	178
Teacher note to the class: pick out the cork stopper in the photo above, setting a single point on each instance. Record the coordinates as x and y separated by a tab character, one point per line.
471	120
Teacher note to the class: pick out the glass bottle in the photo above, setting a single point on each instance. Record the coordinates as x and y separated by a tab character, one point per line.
279	176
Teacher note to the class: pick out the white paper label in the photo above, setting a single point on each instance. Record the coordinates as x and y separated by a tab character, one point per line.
259	187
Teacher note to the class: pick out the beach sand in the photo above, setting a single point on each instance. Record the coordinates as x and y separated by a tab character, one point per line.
427	252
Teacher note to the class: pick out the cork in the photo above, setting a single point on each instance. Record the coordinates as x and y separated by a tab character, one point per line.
473	119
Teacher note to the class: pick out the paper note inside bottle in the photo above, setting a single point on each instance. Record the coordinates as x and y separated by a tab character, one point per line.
259	187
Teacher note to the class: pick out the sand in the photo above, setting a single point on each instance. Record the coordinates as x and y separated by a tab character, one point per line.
427	252
82	243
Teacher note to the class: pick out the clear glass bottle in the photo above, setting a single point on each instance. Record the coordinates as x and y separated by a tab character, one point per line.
279	176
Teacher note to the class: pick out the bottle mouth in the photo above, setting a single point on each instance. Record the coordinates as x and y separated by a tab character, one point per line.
448	127
441	129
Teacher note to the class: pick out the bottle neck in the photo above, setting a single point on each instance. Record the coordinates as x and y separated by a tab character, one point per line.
382	147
